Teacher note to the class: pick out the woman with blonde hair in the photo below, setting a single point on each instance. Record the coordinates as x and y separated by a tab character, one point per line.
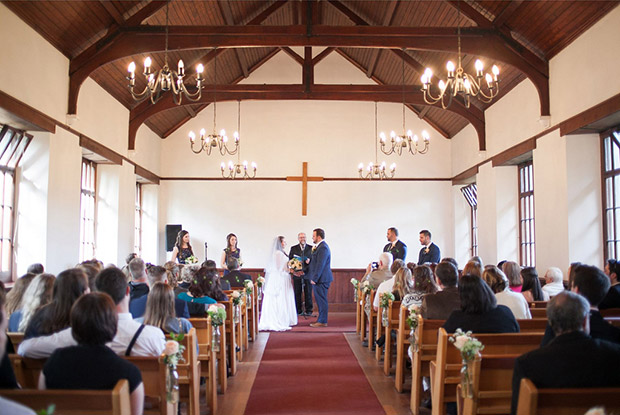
160	311
38	294
403	283
173	273
497	281
14	297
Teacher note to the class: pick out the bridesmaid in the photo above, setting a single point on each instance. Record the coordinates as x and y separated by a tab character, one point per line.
231	251
182	249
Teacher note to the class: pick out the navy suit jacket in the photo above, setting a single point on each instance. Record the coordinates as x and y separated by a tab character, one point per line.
137	307
320	265
399	251
434	255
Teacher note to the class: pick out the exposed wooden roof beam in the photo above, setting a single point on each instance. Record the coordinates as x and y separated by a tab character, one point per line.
509	10
290	52
350	14
424	111
226	11
318	58
145	12
471	13
114	14
387	20
190	111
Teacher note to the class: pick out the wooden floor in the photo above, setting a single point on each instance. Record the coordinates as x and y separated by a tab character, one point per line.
239	386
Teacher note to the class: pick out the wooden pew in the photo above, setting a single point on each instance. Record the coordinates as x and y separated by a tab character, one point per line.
207	360
230	332
538	312
358	309
153	371
424	352
538	304
614	321
445	369
75	402
393	314
16	339
371	316
252	315
27	370
189	373
573	401
491	385
610	312
363	316
533	325
241	332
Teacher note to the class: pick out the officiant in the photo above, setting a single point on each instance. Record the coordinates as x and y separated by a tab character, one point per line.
301	283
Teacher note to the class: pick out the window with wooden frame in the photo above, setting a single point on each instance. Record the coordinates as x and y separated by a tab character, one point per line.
527	240
610	152
471	195
13	144
88	210
137	245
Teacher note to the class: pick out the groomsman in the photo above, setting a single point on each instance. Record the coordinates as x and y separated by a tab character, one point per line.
395	246
320	274
301	280
429	252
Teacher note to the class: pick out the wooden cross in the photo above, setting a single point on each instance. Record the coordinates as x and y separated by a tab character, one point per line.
304	178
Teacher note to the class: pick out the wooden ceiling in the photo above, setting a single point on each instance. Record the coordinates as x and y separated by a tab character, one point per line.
102	37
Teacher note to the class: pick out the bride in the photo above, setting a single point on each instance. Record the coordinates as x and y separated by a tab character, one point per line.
278	312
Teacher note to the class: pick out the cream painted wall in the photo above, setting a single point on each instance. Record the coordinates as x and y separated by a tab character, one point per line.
588	65
355	216
464	147
150	229
63	202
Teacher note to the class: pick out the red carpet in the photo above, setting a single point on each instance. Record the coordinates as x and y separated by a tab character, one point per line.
336	323
305	373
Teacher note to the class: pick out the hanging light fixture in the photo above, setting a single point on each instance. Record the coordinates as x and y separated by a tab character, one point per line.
208	142
376	170
165	79
408	140
238	170
461	83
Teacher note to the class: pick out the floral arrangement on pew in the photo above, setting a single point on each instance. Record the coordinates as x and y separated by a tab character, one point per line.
249	288
384	303
191	260
412	321
366	289
173	353
469	347
49	411
237	296
356	285
217	312
260	283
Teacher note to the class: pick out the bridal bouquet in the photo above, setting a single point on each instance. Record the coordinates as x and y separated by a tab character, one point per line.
295	264
191	260
217	312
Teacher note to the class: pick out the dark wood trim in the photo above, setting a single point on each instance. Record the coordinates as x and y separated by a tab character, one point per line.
461	178
27	113
290	52
505	156
603	198
98	148
146	174
590	115
326	179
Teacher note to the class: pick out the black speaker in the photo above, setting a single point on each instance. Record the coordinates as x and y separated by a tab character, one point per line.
171	236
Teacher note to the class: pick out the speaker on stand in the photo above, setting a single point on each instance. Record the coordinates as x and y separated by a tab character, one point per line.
171	236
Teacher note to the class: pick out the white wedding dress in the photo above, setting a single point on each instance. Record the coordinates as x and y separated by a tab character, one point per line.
278	312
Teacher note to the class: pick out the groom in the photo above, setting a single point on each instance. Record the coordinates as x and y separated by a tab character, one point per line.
320	274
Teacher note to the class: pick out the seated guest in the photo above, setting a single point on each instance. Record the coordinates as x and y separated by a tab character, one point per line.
402	283
531	288
211	267
553	282
149	340
35	269
573	359
6	371
14	297
156	274
571	273
91	268
125	268
160	310
477	260
423	284
439	306
199	288
387	285
612	298
380	271
498	283
70	285
592	284
187	275
235	278
479	310
38	294
173	274
138	286
91	364
473	268
450	260
512	270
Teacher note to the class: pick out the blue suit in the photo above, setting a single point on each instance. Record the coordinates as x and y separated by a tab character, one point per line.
321	273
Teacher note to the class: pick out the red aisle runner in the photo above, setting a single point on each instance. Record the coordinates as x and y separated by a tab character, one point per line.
311	373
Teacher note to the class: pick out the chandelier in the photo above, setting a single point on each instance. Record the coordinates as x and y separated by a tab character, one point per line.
208	142
376	170
408	140
165	79
461	83
238	170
